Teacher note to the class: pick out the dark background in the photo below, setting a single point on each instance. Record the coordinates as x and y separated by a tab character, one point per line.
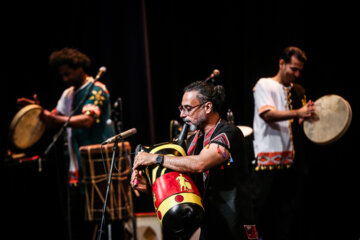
151	52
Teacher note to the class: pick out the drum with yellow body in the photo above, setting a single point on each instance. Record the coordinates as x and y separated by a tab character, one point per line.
177	200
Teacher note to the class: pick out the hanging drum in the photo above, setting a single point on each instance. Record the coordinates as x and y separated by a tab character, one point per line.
331	120
26	128
176	199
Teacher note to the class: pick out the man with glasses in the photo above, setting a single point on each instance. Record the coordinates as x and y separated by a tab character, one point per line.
216	153
278	102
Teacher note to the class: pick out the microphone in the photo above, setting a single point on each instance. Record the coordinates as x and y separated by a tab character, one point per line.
215	73
102	70
124	134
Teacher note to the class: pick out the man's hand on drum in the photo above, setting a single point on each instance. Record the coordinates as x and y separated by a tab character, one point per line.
48	118
138	181
22	102
306	111
144	159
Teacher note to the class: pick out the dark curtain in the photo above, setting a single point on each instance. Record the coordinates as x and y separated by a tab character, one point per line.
186	41
111	33
243	39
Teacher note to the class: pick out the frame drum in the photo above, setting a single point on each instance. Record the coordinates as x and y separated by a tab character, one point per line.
331	120
95	178
26	128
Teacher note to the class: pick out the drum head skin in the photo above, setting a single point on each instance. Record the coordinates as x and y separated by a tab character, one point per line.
26	128
247	131
331	120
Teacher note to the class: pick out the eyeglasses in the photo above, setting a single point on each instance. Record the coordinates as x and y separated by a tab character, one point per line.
188	109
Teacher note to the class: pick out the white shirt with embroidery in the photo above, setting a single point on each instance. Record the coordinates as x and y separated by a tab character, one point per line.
273	144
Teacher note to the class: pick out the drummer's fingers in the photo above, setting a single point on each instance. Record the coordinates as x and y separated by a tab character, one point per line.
137	161
45	113
135	180
36	100
135	165
312	108
133	177
22	102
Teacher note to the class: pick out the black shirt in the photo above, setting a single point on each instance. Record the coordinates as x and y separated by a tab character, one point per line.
226	189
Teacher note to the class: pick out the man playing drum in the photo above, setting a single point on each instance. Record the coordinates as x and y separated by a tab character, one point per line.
87	126
216	152
278	103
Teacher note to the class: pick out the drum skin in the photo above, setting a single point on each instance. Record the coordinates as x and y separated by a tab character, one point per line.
177	201
331	120
26	128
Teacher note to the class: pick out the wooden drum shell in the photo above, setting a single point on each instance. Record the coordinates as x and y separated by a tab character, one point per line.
119	205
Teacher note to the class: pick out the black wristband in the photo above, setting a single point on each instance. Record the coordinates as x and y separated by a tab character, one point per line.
160	159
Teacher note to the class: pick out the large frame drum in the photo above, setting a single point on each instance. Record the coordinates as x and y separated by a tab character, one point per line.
331	120
119	205
26	128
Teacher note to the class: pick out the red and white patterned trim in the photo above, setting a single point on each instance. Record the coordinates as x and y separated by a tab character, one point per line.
274	160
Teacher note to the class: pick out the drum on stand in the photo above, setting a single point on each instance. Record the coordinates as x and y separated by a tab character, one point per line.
119	205
331	120
248	143
247	131
26	128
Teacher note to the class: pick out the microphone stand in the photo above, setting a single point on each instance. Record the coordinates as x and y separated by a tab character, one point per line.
119	124
115	148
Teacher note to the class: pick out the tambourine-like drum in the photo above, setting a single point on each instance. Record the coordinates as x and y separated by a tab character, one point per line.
119	205
331	120
26	128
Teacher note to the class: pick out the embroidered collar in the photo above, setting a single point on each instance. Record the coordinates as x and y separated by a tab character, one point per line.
207	138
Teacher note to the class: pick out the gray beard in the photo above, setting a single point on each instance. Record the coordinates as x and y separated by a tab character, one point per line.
192	127
200	123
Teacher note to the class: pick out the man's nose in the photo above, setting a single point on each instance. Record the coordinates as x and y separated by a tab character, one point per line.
182	115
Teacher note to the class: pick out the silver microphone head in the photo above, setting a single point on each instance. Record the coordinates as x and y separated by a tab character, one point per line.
102	69
216	72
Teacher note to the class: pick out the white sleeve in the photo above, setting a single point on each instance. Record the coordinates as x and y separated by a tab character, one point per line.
63	106
263	97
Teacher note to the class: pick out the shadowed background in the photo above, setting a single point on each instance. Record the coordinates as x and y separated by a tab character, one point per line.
152	50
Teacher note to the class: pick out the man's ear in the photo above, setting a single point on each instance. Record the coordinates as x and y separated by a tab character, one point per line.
208	107
281	63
